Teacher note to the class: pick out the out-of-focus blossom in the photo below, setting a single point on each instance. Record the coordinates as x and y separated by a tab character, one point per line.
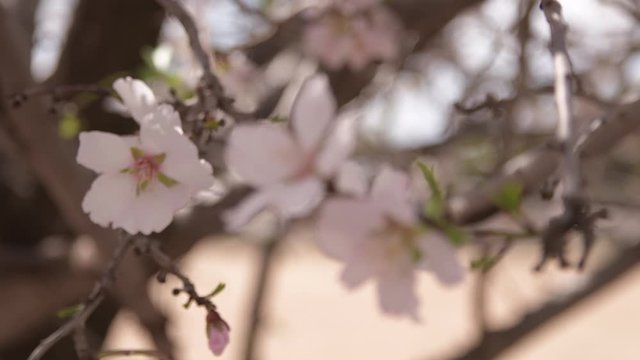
288	166
217	332
144	179
239	77
353	6
355	41
377	238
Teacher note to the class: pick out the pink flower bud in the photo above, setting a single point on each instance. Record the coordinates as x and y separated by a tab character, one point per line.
217	332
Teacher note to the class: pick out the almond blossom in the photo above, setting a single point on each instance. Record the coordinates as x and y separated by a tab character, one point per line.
144	179
339	40
288	166
377	237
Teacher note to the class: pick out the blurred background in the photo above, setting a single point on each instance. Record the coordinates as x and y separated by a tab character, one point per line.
469	86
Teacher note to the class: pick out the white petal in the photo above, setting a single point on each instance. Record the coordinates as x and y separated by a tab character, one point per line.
440	258
313	112
103	152
152	210
136	96
390	192
352	179
263	154
109	197
397	296
343	224
297	199
338	147
243	213
163	115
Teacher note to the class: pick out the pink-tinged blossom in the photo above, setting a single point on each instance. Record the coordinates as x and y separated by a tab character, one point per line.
354	41
376	238
217	332
287	166
144	179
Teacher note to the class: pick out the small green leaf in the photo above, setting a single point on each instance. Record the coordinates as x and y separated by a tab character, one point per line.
212	124
159	159
483	263
136	152
142	186
510	197
69	311
456	235
277	119
166	180
69	126
434	208
217	290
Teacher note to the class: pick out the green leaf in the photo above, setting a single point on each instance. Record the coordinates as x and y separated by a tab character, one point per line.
483	263
166	180
217	290
69	126
159	159
434	208
510	197
136	152
456	235
69	311
277	119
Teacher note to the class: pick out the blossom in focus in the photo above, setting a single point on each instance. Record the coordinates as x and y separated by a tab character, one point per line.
144	179
338	40
141	103
288	166
376	238
217	332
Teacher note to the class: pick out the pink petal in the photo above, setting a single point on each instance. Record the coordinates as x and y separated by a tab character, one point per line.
440	258
109	197
313	112
344	224
396	294
357	270
337	148
263	154
136	96
289	200
390	192
297	199
351	179
103	152
218	339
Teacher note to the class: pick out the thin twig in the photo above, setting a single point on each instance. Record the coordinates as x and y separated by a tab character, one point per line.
265	273
150	353
89	305
498	341
151	248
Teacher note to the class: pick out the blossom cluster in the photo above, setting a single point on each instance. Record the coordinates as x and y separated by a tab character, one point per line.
353	33
296	169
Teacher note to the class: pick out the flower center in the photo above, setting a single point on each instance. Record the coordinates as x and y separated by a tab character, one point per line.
146	168
399	240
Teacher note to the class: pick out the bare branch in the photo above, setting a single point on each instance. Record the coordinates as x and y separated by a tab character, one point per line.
89	305
499	341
